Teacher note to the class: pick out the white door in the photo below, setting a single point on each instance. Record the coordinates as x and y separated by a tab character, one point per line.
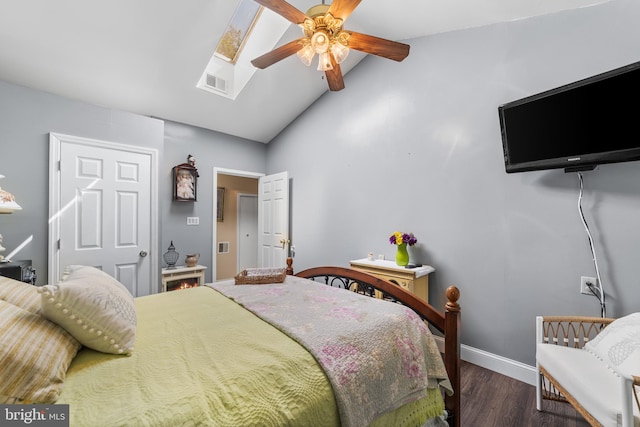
103	210
273	219
247	231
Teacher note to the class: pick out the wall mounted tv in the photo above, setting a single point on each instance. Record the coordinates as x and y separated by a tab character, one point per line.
577	126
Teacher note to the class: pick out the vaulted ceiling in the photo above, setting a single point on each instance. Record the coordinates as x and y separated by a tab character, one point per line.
146	56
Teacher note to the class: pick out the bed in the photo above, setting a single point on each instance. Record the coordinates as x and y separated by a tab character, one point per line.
225	354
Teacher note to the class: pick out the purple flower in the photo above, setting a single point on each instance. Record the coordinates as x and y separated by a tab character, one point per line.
398	238
409	239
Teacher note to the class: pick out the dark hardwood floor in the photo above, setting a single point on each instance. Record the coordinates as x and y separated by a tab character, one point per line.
490	399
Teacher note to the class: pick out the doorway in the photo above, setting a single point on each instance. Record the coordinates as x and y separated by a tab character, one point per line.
272	223
247	231
226	231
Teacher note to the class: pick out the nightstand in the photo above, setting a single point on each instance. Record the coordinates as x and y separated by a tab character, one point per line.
414	280
19	270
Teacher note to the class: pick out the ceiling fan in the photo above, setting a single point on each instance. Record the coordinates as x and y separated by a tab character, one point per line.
323	34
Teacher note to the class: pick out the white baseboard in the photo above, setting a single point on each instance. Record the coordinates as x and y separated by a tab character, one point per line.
493	362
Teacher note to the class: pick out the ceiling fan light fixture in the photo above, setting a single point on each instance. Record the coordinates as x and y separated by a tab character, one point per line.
339	51
320	42
323	33
324	62
306	55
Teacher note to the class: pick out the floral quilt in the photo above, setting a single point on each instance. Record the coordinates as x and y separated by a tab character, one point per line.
378	355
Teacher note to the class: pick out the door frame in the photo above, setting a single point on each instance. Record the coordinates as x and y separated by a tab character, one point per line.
214	232
55	140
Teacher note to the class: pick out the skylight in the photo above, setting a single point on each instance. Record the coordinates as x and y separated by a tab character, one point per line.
251	32
238	30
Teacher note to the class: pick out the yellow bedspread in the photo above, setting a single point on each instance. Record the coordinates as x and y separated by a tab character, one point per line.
164	383
222	366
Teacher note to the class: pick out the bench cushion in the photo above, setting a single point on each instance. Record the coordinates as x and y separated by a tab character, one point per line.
587	379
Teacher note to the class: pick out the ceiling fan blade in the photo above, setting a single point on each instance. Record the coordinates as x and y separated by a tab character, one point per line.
334	77
377	46
284	9
343	8
277	54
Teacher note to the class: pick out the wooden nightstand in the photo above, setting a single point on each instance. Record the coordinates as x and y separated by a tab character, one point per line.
182	277
414	280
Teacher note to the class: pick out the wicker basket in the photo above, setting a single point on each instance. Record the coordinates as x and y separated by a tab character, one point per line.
260	276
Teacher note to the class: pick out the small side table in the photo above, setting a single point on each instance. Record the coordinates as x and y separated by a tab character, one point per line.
19	270
182	277
414	280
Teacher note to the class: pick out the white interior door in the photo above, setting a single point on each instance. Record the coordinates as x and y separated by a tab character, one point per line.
247	231
103	213
273	219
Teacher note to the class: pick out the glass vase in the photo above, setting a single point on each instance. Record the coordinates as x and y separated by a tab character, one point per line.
402	255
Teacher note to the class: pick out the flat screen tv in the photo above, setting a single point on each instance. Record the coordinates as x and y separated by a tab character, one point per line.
577	126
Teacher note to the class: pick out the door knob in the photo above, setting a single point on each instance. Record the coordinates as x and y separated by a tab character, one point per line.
144	253
284	242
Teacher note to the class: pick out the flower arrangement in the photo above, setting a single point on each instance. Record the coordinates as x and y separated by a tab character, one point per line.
398	238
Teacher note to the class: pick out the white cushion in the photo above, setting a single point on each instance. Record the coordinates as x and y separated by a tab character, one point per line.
587	379
94	307
618	345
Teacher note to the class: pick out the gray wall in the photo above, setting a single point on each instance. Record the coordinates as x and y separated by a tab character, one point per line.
416	147
27	117
210	149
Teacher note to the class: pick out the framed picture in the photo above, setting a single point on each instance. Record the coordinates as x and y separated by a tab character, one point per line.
185	183
220	207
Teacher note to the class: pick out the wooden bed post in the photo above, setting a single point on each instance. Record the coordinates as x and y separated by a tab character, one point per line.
452	350
289	266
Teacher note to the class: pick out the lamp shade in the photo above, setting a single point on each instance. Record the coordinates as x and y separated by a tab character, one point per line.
324	62
306	55
320	42
340	52
7	201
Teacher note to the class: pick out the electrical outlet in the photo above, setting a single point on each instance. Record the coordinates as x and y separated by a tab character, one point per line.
193	220
584	289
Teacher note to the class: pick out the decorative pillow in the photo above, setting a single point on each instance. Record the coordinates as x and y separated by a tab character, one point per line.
20	294
94	307
618	345
34	356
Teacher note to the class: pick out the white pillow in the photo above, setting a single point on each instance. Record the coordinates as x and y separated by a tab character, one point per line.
618	345
93	307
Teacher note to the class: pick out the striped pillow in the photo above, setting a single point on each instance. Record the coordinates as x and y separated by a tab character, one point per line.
21	294
35	354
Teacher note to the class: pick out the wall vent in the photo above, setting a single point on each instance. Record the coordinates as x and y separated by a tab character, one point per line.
216	83
223	247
